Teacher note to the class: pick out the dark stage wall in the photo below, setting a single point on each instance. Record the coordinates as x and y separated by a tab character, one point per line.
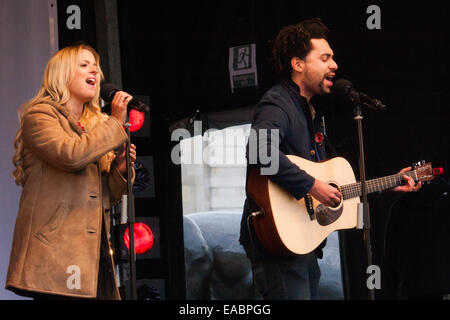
177	54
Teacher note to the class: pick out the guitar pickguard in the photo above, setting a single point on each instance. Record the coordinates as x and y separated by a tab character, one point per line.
326	215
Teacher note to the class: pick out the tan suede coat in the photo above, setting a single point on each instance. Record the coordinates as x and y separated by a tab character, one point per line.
68	185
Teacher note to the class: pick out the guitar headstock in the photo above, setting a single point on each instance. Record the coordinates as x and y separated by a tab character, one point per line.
424	171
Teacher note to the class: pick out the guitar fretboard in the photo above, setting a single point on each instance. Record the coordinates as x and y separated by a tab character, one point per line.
354	190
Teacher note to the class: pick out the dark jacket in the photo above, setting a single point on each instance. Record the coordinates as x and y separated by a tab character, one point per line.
283	108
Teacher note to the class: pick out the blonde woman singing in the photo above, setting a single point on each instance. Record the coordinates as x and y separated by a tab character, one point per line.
70	161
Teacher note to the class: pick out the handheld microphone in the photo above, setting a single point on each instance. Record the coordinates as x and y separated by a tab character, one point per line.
345	88
108	91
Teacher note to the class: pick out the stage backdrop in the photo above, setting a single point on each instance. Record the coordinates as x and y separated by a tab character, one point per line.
25	31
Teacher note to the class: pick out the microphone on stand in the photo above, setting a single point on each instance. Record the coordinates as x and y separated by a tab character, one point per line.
108	91
345	88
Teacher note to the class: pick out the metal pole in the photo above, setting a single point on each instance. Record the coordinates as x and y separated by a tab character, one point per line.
131	217
365	203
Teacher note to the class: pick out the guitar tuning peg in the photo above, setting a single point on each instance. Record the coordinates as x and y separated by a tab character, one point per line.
423	162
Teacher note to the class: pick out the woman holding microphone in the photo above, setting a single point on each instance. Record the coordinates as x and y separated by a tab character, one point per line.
70	160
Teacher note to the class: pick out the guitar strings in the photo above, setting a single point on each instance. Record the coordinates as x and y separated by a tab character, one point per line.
354	190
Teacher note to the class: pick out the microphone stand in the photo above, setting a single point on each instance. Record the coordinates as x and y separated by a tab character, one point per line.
131	215
363	208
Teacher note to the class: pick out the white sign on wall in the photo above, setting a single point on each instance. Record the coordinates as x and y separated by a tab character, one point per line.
242	66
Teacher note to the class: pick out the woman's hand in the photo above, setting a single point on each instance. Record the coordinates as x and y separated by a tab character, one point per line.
121	160
119	106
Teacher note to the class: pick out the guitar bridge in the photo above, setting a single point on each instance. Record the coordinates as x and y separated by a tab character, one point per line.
310	206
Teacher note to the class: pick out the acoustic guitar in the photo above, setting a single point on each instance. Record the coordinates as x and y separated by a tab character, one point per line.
285	225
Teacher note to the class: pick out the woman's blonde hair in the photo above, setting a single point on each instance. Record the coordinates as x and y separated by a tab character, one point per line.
58	74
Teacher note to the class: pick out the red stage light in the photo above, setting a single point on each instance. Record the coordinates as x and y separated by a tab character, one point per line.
136	119
143	238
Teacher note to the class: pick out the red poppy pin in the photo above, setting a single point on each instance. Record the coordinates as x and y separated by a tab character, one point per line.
81	126
319	138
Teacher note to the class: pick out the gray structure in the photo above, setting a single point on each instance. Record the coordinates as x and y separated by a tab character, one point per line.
217	267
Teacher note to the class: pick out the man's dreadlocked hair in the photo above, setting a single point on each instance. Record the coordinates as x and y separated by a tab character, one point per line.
295	41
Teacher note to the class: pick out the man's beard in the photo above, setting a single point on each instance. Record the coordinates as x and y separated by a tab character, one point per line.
318	89
322	89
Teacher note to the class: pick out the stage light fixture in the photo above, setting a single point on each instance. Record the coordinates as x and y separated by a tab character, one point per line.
143	235
136	120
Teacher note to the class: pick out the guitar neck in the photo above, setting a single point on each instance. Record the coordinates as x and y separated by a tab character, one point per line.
379	184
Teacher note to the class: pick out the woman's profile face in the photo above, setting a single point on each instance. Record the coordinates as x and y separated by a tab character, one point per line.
86	78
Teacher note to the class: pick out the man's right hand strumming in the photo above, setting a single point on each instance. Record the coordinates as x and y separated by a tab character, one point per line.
326	194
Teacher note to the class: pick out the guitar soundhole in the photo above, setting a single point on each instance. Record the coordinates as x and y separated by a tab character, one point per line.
327	215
